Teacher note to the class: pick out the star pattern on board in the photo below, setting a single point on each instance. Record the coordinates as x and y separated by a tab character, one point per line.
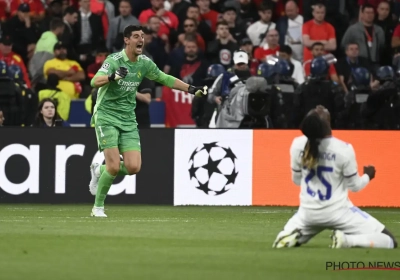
212	167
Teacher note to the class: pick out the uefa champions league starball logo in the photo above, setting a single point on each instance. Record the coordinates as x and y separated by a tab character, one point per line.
212	168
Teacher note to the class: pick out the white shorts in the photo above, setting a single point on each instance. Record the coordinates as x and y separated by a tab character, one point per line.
350	220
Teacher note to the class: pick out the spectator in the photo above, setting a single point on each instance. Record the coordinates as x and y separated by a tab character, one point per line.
169	21
258	30
211	17
318	50
3	11
11	99
177	55
346	65
222	85
190	27
369	36
106	10
11	58
236	26
247	46
47	115
385	21
21	31
270	48
1	117
89	33
53	11
50	38
154	44
222	48
290	29
61	99
179	8
101	55
203	28
318	30
29	97
248	12
115	36
193	69
69	71
36	9
285	52
68	37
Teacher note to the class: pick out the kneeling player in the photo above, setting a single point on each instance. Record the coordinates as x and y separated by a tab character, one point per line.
325	168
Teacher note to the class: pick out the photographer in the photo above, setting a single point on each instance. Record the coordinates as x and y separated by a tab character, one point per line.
227	80
204	112
11	98
319	90
277	72
381	111
359	86
30	97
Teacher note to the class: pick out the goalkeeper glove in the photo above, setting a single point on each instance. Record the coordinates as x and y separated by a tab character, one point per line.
119	74
198	91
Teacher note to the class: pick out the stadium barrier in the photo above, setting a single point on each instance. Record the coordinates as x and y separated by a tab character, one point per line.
260	173
182	167
41	165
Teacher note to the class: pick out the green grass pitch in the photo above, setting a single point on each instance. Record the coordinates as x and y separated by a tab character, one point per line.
40	242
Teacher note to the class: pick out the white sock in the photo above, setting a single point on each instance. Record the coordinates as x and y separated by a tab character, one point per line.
97	171
374	240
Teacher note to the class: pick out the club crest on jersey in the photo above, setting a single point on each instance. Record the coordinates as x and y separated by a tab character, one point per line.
139	74
105	66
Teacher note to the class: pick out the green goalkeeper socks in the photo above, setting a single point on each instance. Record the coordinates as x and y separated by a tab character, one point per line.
122	169
105	182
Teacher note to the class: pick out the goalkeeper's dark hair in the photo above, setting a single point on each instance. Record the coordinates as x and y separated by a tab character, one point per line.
314	129
131	28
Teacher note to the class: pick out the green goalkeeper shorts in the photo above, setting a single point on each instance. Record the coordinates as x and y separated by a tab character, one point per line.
109	136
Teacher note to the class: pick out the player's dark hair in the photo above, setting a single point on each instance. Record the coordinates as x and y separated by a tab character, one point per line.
131	28
316	44
286	49
314	129
56	23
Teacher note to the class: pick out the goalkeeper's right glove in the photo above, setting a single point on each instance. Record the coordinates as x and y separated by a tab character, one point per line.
119	74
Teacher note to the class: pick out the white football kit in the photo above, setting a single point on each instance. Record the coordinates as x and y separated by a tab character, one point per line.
324	202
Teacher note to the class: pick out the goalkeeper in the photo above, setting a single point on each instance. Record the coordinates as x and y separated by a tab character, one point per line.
114	114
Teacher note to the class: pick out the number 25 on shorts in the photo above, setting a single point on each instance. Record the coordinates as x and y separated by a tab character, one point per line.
327	185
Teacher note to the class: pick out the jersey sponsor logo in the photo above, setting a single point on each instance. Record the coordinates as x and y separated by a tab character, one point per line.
128	86
105	66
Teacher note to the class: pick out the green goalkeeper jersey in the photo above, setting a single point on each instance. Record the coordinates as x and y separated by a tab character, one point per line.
116	101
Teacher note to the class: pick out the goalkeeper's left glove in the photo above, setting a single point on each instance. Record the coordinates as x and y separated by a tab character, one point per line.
198	91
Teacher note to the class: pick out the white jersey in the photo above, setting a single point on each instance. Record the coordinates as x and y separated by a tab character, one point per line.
326	186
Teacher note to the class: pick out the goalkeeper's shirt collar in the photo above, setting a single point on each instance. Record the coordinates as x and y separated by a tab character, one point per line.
126	58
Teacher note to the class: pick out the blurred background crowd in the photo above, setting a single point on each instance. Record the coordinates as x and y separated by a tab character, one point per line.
49	51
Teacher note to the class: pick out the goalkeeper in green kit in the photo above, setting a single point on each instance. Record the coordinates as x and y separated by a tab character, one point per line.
114	114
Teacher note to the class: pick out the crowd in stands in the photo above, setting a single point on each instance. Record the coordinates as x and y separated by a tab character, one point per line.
58	45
